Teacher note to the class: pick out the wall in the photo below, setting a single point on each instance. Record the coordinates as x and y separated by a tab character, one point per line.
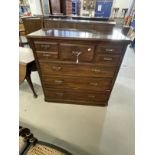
35	7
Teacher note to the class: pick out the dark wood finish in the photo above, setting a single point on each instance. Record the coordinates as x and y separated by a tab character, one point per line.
63	6
84	67
100	26
32	24
75	83
30	67
68	52
76	96
73	69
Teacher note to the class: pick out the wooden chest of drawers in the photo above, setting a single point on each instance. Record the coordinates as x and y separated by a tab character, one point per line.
77	67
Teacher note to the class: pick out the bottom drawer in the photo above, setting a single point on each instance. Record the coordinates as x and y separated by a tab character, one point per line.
88	98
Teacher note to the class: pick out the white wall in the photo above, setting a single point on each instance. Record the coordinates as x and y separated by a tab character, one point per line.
35	7
121	4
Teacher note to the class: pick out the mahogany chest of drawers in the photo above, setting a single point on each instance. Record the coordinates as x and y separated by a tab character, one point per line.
78	67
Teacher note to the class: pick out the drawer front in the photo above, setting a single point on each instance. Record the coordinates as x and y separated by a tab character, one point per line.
107	59
77	83
75	96
76	70
47	55
46	46
109	49
77	53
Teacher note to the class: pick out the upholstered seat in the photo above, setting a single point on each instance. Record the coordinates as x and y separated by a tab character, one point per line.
25	55
26	65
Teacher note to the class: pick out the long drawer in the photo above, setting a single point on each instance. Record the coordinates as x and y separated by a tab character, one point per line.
88	70
63	95
77	83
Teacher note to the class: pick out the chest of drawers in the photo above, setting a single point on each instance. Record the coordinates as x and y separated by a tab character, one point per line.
77	67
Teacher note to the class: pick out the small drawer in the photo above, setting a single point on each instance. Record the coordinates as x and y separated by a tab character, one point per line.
52	68
107	59
109	49
77	83
46	46
76	96
47	55
76	53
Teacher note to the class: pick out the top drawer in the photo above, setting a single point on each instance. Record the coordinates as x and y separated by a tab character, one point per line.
46	46
76	52
109	49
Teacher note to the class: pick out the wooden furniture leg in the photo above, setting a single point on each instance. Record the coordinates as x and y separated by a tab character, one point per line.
30	67
28	78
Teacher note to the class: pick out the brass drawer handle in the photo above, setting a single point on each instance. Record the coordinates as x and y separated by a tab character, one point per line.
58	81
96	70
107	90
93	83
91	96
59	94
107	59
109	49
57	68
46	55
77	54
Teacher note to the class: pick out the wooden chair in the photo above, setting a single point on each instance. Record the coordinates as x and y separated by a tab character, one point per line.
26	66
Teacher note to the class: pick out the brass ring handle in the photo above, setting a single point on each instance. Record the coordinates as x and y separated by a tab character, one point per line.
58	81
93	83
91	96
108	59
56	68
109	49
46	55
96	70
77	54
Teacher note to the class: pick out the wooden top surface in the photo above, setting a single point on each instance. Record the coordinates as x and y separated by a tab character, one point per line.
80	21
76	34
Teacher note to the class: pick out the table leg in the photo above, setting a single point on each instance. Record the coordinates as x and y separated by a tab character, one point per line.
28	78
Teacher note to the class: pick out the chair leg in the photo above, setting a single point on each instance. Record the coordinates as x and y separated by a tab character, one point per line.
28	78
